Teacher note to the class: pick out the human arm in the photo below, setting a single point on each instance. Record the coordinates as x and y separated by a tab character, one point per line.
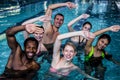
56	53
75	20
43	18
113	28
83	73
110	58
10	33
54	6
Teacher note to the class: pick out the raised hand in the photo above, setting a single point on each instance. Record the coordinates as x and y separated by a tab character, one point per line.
31	28
115	28
85	16
71	5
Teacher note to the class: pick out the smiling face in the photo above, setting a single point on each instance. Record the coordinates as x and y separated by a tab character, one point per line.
69	52
39	35
30	49
30	45
86	27
58	21
102	43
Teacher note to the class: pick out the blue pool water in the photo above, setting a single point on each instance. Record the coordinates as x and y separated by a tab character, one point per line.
102	14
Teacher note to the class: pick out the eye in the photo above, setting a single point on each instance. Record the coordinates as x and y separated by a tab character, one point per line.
102	41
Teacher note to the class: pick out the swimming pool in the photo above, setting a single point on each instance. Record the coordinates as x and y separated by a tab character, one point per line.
103	14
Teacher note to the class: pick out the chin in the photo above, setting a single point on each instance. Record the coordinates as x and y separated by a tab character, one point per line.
30	58
68	59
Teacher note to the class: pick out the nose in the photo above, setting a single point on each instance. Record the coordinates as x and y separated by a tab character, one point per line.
31	50
103	45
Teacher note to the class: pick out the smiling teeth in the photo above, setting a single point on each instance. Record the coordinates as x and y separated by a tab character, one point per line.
30	54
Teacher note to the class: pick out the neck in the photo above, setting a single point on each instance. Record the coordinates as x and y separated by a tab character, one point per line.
55	28
97	49
66	62
25	60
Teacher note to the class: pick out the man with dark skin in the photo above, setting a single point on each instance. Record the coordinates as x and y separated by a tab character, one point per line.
21	65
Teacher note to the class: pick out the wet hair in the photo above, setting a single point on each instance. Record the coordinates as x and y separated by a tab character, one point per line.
60	15
40	26
105	36
31	39
88	23
70	44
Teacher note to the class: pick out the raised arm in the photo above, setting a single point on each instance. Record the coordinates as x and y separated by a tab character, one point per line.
54	6
83	73
114	28
10	34
43	18
57	44
76	20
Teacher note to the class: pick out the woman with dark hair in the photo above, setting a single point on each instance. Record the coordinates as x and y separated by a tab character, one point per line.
79	41
95	54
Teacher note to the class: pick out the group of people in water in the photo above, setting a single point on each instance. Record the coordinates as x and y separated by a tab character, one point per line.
21	64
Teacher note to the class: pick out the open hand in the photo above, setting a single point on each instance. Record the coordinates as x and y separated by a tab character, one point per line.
89	35
115	28
31	28
85	16
71	5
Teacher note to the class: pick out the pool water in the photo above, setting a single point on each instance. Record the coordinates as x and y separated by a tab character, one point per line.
102	14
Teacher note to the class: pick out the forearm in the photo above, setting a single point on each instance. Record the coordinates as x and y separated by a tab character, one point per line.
115	61
54	6
101	31
71	34
74	20
26	34
31	21
14	30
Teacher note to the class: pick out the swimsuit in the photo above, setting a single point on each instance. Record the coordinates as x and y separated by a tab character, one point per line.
94	64
94	61
49	47
53	70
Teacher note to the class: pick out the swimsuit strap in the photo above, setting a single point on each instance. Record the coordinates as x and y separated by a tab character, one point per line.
80	40
91	53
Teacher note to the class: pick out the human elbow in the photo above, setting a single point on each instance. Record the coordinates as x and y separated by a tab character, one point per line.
69	25
50	7
9	32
